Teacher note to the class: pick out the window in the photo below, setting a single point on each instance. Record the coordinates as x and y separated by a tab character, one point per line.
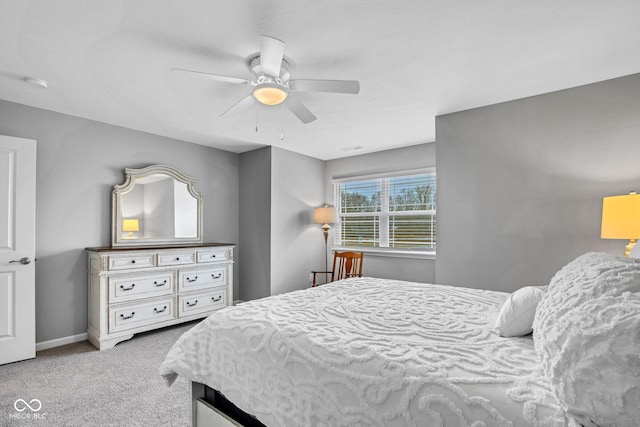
393	211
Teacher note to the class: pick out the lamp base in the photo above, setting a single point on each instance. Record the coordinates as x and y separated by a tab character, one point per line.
325	231
630	246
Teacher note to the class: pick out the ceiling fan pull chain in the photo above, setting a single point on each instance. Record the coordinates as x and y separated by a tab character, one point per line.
256	116
282	122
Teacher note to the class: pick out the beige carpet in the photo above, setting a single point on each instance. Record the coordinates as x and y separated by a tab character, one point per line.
80	386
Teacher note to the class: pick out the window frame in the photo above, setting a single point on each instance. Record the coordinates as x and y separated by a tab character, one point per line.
383	216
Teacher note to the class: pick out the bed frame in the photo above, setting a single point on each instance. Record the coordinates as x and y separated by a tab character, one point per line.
211	409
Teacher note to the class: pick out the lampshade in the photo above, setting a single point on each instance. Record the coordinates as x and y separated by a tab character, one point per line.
270	94
130	225
324	215
621	217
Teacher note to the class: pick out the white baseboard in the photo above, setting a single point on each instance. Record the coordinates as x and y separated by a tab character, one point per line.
61	341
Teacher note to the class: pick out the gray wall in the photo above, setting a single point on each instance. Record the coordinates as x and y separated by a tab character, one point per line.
297	244
279	244
255	220
520	184
78	162
414	157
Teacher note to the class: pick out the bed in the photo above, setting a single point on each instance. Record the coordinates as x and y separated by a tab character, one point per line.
377	352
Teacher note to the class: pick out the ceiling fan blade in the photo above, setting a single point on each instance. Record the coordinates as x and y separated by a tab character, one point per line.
271	54
218	77
247	100
335	86
297	108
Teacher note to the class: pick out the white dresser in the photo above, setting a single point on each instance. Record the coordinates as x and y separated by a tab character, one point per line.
136	289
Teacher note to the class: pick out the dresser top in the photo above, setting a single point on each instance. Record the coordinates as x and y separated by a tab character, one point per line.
139	248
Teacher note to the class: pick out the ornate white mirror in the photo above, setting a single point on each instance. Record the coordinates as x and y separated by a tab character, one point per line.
156	205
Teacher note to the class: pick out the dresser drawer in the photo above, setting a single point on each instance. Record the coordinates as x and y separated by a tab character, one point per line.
126	288
129	316
198	303
178	258
189	280
126	262
212	255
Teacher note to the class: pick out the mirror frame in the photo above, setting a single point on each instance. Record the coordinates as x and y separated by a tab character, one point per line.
130	176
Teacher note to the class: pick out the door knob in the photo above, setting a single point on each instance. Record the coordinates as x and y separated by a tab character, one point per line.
24	260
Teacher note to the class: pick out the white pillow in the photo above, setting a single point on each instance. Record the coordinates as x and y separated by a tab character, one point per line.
586	333
517	312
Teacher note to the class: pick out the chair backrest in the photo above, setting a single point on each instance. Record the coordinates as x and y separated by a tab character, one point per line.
346	264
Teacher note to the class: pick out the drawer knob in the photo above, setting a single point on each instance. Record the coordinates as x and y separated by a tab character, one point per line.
192	280
133	285
213	256
161	310
177	258
216	276
161	283
214	299
133	261
128	317
192	304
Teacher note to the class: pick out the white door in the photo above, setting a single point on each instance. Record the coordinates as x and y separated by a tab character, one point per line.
17	249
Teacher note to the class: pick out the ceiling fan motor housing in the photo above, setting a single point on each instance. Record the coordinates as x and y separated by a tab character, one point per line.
256	70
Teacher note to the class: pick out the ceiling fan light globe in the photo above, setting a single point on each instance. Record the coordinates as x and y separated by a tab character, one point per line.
270	95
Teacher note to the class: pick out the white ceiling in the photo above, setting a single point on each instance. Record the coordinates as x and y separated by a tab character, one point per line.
111	61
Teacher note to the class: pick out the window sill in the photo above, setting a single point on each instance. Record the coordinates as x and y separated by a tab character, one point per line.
387	252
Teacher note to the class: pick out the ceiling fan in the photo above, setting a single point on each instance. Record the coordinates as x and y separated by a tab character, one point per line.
271	83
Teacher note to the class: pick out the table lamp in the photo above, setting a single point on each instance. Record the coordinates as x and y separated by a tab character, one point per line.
130	225
621	219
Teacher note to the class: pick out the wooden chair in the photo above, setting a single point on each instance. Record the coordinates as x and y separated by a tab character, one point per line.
345	265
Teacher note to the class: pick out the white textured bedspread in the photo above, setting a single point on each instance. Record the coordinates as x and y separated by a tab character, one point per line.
369	352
